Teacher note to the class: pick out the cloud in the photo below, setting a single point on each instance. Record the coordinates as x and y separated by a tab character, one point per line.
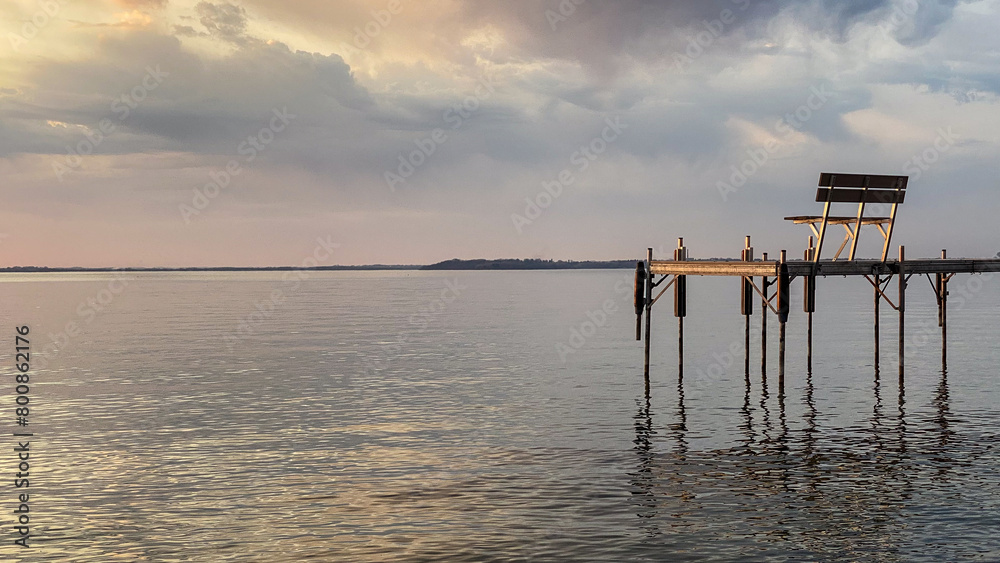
224	20
359	109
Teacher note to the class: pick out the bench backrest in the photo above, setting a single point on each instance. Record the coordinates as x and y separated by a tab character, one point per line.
861	188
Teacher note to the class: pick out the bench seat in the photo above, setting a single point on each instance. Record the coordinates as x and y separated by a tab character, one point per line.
802	219
861	189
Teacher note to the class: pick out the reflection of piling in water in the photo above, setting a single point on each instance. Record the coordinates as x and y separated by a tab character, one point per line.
788	478
643	479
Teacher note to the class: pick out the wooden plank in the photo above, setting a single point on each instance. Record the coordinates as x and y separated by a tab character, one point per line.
845	195
953	266
714	268
869	267
828	179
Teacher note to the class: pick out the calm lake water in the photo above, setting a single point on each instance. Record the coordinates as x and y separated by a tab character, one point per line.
476	416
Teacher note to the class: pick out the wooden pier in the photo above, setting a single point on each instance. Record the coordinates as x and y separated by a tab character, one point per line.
770	280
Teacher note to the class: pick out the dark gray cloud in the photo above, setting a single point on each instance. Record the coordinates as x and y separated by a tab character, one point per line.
605	34
202	104
923	23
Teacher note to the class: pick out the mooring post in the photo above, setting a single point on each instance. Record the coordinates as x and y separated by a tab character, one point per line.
680	306
649	307
763	321
783	308
746	306
902	310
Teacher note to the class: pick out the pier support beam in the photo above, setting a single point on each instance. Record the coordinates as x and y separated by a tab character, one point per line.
649	308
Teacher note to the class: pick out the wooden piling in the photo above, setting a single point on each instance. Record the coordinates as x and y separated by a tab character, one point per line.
680	348
649	307
902	311
878	303
783	307
680	306
746	346
809	353
943	312
809	307
746	306
763	322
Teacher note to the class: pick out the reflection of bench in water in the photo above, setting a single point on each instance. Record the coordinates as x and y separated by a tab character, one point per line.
861	189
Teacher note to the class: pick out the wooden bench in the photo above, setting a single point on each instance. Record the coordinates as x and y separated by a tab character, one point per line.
854	188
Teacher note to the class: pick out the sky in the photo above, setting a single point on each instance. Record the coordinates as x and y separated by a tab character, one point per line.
180	133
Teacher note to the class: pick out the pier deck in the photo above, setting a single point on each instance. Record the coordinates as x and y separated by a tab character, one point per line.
761	268
767	282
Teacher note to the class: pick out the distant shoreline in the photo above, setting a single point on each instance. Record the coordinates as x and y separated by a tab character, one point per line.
479	264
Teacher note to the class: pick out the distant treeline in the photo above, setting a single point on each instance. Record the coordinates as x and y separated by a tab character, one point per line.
529	264
211	268
455	264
